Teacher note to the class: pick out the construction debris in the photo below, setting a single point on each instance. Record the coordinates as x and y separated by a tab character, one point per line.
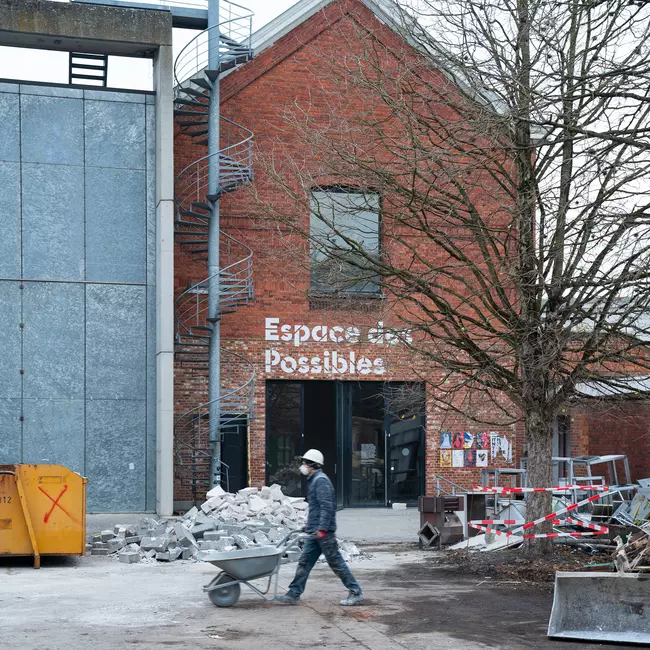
226	522
633	556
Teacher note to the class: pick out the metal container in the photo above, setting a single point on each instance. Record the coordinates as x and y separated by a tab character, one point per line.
42	511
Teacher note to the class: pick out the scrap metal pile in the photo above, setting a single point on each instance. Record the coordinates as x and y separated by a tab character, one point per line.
225	522
590	516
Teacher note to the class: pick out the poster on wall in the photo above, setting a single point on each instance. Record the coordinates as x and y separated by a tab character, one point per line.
468	440
445	458
482	440
482	458
445	440
470	458
499	444
458	458
457	440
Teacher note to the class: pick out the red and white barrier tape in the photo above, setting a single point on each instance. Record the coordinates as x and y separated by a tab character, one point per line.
570	508
555	488
480	524
507	533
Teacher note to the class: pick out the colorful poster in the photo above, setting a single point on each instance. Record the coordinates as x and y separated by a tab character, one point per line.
468	440
445	440
482	458
457	440
458	458
482	440
470	458
445	458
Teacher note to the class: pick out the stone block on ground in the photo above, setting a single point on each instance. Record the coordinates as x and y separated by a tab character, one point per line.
115	544
158	544
99	551
130	557
170	555
184	536
249	491
261	539
106	535
133	540
216	491
212	536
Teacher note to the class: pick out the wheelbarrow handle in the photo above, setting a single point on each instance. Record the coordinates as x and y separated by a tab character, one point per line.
282	544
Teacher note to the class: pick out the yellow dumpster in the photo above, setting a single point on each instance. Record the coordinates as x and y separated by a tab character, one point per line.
42	511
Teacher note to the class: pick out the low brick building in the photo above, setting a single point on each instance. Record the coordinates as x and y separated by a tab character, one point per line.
331	373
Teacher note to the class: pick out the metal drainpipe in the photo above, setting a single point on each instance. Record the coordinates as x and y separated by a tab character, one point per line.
213	245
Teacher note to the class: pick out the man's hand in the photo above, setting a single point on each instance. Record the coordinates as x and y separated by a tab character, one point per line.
320	534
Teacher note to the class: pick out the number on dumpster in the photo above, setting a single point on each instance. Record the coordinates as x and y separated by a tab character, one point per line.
5	499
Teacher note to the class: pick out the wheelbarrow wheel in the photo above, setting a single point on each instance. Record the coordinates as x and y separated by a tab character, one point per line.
224	596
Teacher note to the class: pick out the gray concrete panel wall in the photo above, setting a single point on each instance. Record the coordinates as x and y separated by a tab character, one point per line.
77	287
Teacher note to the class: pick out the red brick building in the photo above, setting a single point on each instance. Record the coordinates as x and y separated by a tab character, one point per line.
332	374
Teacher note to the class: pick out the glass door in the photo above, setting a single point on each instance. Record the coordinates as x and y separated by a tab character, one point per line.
404	442
367	442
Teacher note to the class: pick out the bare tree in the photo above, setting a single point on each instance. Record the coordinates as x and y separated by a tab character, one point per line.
509	145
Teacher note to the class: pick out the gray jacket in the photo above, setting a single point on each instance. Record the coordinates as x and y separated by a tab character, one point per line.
322	503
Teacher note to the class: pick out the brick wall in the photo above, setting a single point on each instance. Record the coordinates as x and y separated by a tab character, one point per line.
293	72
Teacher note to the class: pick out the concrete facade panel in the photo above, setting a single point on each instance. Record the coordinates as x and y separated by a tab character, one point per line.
9	218
9	127
115	134
53	432
53	344
53	222
11	427
116	463
115	225
115	342
52	130
10	359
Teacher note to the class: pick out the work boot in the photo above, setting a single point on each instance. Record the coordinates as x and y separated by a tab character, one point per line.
352	599
287	599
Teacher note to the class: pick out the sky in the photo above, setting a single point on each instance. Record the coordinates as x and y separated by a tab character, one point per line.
50	66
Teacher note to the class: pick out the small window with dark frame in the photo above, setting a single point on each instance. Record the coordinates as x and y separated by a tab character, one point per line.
344	236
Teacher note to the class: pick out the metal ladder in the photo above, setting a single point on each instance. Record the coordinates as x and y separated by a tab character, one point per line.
193	84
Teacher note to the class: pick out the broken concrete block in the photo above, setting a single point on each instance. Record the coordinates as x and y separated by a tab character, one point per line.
133	540
261	539
115	544
100	545
300	505
276	534
247	492
184	536
265	492
99	551
276	492
199	530
188	553
158	544
256	504
191	514
208	545
149	554
132	557
106	535
169	556
242	541
224	544
212	536
97	537
216	491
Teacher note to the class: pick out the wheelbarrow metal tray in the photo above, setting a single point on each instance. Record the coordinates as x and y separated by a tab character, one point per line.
246	564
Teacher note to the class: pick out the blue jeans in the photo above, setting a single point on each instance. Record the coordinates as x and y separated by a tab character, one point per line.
310	554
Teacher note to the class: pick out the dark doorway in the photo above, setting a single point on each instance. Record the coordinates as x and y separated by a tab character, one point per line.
234	454
371	434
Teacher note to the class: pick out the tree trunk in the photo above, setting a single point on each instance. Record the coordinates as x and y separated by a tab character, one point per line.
539	440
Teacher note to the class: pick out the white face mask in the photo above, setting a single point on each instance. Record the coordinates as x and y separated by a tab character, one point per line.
304	470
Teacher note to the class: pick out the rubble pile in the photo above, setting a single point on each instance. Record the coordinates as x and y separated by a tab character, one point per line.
225	522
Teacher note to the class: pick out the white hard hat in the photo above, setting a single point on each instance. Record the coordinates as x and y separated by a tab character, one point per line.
314	456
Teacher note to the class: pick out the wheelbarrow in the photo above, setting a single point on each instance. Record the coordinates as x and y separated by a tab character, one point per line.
240	567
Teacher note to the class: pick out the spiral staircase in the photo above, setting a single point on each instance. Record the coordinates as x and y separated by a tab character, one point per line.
194	81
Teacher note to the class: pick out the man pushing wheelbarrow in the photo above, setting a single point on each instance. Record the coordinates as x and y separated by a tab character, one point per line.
321	524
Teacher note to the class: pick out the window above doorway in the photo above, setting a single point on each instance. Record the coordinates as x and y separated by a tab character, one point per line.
345	239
